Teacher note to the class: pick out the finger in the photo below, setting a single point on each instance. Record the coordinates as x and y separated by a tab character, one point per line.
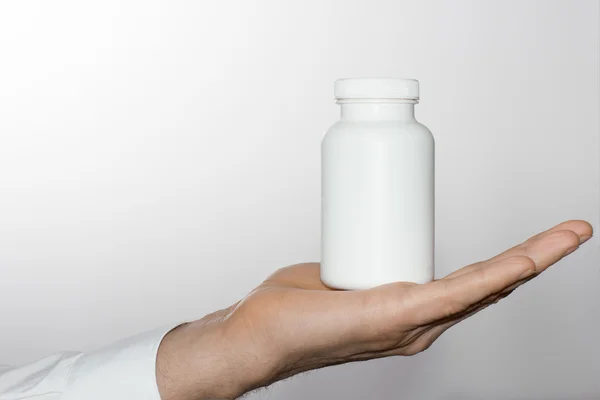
502	285
433	332
541	255
448	297
582	229
461	292
427	336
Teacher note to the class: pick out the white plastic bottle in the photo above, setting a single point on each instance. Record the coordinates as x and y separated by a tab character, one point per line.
377	187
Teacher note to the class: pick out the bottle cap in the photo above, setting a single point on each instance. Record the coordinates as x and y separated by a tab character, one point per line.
377	88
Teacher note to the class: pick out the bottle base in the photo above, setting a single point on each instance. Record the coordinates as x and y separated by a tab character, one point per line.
353	284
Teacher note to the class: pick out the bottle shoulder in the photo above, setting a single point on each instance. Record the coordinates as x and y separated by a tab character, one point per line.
377	128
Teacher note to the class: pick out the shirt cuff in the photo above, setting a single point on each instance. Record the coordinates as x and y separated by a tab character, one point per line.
125	370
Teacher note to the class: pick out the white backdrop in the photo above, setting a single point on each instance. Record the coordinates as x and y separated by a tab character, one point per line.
159	159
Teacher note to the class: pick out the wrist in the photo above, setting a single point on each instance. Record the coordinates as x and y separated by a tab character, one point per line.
208	359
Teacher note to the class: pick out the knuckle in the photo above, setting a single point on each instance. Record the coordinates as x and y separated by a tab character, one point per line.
568	236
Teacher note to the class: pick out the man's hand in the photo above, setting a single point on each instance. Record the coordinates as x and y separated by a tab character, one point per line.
293	323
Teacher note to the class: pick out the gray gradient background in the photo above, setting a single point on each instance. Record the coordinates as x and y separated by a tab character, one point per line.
159	159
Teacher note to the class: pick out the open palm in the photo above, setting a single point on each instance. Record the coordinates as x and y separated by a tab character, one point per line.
299	323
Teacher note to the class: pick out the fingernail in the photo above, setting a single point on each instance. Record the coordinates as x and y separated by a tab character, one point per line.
572	249
584	239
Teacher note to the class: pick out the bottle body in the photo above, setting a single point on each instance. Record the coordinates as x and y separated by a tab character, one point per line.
377	197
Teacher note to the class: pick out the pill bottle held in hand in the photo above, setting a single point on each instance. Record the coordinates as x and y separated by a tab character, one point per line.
377	187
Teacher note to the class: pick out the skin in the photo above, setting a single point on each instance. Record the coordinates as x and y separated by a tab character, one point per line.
293	323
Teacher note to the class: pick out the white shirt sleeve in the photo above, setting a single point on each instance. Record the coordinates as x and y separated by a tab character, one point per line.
123	371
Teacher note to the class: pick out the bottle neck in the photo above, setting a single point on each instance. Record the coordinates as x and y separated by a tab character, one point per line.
377	110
